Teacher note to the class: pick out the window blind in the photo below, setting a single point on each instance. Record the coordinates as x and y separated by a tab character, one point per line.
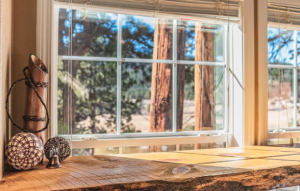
216	9
283	14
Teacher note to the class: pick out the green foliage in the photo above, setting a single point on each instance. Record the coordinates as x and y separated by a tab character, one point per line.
97	36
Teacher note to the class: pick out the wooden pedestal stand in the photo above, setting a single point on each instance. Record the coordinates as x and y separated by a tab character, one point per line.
34	115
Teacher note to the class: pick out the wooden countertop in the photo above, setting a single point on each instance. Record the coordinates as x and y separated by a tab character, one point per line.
248	168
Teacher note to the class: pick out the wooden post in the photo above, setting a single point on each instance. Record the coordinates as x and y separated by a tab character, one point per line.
33	107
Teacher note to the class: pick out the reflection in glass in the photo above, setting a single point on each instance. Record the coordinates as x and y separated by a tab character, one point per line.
135	150
93	33
281	46
193	36
282	141
82	152
200	97
148	149
87	94
146	37
106	151
280	102
141	83
184	147
210	145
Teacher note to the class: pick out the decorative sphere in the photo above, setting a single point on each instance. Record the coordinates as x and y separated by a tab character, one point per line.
24	151
59	146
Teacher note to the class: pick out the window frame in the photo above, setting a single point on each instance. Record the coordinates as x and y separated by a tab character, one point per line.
119	60
295	69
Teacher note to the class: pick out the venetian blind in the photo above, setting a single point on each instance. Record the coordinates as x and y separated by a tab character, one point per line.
217	9
285	14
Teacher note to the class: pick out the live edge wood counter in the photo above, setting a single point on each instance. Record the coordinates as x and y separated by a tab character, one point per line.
248	168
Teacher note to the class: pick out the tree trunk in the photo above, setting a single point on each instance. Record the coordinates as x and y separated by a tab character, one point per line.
204	80
180	75
161	87
198	83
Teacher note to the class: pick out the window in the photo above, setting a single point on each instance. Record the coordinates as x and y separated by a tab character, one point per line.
123	74
136	74
283	79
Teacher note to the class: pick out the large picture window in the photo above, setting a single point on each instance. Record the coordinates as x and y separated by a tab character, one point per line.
120	74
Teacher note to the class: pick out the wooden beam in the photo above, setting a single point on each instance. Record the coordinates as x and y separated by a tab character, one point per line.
261	130
249	73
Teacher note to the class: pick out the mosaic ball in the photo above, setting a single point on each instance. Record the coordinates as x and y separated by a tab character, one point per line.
24	151
59	146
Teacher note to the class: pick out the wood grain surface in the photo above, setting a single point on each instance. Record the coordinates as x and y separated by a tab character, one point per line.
249	168
33	107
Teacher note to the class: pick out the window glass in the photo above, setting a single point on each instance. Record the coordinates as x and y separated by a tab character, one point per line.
149	149
200	97
282	141
281	46
280	102
88	84
87	94
200	42
93	33
147	37
146	97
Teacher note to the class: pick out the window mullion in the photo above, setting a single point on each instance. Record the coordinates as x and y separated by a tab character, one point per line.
119	74
174	80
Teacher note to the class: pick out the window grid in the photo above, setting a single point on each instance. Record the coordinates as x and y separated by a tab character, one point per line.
174	63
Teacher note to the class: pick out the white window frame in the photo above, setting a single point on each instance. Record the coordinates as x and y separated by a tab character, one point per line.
288	132
295	69
50	9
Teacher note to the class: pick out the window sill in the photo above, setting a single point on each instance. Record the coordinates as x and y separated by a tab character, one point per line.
168	171
284	135
146	141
